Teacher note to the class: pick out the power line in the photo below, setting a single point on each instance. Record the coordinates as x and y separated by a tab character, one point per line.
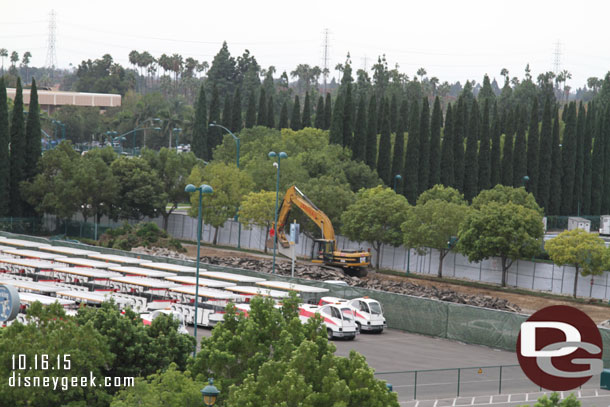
51	52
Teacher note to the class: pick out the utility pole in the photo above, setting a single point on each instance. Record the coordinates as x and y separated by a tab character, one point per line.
557	58
51	62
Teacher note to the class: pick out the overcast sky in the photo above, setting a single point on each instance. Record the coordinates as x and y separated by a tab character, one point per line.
452	40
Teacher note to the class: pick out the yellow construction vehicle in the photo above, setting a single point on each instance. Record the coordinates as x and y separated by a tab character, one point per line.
352	261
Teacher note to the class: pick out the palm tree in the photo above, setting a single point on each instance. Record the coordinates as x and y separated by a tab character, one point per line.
133	58
173	117
14	58
593	83
25	61
176	64
165	63
421	72
339	67
3	54
434	83
145	61
566	76
203	67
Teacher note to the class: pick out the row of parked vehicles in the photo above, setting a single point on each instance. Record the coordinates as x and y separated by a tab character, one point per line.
342	318
75	277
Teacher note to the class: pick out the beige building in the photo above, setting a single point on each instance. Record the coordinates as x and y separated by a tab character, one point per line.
49	100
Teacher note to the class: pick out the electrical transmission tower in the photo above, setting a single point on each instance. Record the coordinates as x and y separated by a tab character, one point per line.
325	56
51	62
557	58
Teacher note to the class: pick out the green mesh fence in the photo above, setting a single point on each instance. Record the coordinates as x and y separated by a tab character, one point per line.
481	326
32	226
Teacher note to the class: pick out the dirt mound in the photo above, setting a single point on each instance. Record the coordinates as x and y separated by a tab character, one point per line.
375	282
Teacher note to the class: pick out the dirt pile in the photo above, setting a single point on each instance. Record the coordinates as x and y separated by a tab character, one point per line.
375	282
160	251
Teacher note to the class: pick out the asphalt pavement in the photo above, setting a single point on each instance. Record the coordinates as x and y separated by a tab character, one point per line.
443	364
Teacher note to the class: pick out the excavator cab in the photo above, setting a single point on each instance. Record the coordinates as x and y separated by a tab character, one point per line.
325	249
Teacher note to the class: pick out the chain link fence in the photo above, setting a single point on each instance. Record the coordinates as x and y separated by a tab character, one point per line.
464	382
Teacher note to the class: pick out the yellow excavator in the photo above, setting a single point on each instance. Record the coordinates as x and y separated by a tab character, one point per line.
354	262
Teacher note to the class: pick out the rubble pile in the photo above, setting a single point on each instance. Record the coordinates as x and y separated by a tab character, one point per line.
160	251
375	282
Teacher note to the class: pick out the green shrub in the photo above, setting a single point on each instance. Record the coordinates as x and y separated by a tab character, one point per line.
146	234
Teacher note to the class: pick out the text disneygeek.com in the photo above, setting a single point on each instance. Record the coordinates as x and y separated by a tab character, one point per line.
27	367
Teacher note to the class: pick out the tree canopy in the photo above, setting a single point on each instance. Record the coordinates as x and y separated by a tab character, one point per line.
375	217
585	251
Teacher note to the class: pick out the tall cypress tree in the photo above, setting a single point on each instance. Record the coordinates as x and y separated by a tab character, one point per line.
214	134
295	119
606	138
319	122
587	143
359	143
236	122
533	145
251	111
496	155
327	112
261	119
520	153
398	155
471	165
200	127
555	195
18	145
394	114
411	164
336	125
484	150
435	144
580	160
424	148
283	124
270	113
33	148
458	144
447	166
597	170
306	111
5	168
227	115
545	158
507	160
348	109
385	146
371	134
568	161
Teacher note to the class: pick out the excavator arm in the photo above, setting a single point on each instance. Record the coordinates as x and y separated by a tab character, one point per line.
352	261
295	197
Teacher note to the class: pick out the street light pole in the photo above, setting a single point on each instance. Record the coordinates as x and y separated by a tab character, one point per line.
176	130
134	131
524	181
272	154
396	178
236	139
203	189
